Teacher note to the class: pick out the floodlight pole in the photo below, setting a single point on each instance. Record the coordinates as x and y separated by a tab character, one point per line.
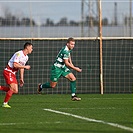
130	18
82	18
31	23
100	36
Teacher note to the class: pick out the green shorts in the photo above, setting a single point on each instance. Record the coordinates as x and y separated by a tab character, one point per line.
57	72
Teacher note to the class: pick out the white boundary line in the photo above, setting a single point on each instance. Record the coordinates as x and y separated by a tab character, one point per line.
112	108
91	120
25	123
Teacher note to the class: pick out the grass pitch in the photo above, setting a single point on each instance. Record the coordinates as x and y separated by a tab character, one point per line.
108	113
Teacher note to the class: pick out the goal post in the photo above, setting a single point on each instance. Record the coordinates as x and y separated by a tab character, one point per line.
100	36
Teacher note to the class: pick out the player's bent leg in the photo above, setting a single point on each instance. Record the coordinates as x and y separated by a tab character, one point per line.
72	80
13	89
46	85
4	88
7	98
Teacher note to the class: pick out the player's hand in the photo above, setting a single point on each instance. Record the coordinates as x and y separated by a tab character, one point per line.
27	67
21	83
78	69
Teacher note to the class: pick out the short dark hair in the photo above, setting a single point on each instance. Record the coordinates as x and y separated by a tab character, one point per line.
70	39
27	44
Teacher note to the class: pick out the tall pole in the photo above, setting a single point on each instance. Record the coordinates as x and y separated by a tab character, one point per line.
100	35
82	18
130	18
90	23
31	23
115	14
98	27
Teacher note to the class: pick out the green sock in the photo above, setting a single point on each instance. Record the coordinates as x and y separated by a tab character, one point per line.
73	86
46	85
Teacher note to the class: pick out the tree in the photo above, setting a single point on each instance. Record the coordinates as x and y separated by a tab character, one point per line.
49	22
27	22
63	22
105	21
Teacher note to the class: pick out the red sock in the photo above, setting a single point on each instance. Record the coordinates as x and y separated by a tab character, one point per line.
4	88
8	96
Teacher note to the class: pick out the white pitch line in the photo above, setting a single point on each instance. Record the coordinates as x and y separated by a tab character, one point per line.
46	122
111	108
91	120
112	98
7	124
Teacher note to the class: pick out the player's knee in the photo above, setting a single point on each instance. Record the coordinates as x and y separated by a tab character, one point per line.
53	86
15	91
14	88
73	79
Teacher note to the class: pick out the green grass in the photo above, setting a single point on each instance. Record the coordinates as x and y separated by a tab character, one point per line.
27	114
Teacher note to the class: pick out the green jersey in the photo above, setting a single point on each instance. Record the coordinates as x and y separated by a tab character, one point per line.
59	68
64	53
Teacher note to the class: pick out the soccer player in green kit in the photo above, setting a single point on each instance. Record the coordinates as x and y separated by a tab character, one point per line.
61	68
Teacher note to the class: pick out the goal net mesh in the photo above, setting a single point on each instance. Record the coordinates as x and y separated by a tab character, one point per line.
117	64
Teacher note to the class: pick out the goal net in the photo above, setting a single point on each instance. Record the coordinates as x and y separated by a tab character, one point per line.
117	64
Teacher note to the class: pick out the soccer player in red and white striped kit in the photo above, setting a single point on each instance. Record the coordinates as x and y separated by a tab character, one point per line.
16	62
